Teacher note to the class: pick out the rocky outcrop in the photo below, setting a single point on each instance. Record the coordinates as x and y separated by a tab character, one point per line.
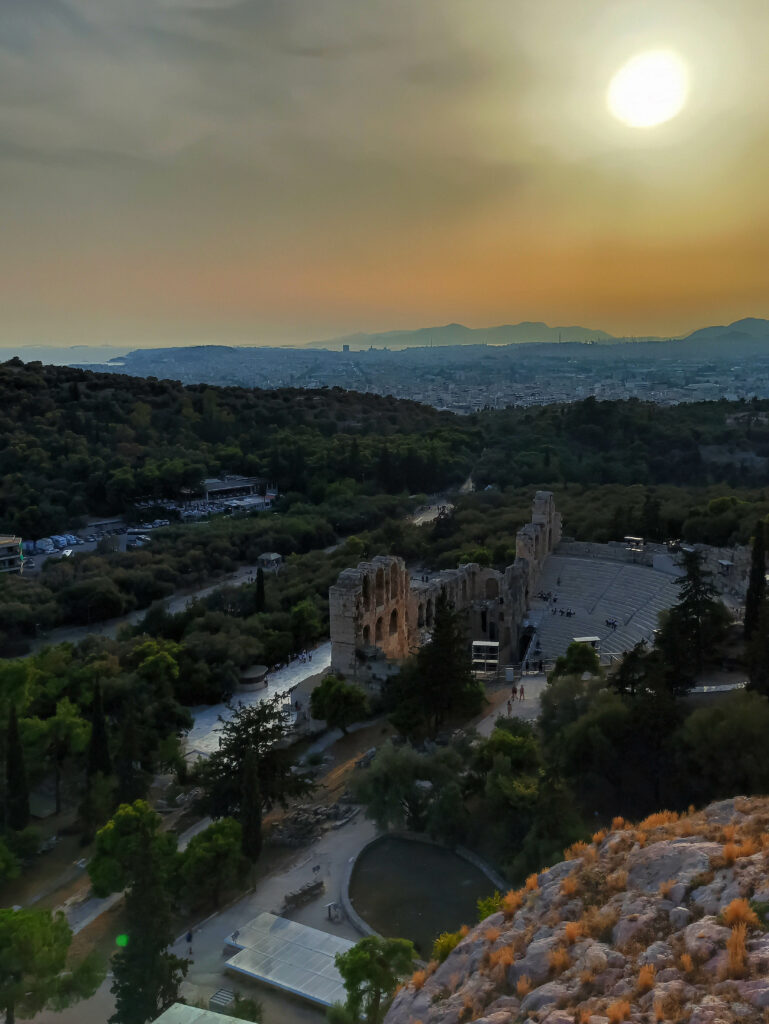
659	921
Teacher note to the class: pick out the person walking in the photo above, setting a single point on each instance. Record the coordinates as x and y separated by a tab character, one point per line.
520	693
509	709
188	940
514	691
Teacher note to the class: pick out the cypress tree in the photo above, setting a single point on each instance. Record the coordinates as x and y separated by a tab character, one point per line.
259	600
17	791
756	581
99	759
251	807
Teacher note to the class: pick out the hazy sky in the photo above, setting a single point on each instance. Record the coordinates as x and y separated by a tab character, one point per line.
186	171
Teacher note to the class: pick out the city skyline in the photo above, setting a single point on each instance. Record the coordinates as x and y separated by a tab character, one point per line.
216	171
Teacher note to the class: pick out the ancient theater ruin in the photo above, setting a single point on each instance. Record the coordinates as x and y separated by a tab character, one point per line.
380	615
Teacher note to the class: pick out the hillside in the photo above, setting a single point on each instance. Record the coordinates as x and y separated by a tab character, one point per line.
663	921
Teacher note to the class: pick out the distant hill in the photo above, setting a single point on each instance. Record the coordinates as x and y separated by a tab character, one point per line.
748	327
458	334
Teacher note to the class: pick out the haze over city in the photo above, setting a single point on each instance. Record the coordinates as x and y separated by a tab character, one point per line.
218	171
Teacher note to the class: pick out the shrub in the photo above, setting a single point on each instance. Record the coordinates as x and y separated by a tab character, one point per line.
617	824
583	1015
598	837
599	923
735	951
658	820
748	847
646	978
464	930
575	850
740	911
490	905
666	887
659	1011
617	880
730	853
559	960
687	963
512	902
729	832
492	934
570	885
532	883
523	985
572	931
618	1011
418	978
504	956
444	944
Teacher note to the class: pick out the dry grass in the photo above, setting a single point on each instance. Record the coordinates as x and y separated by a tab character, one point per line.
730	853
598	923
740	911
511	902
735	951
575	851
570	885
667	887
492	934
523	986
748	847
658	819
432	967
559	960
587	977
659	1011
583	1015
687	963
467	1013
532	883
504	956
617	880
646	977
617	824
618	1011
418	978
640	837
598	837
765	841
464	930
572	931
729	833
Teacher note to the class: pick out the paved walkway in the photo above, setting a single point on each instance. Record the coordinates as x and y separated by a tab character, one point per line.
203	736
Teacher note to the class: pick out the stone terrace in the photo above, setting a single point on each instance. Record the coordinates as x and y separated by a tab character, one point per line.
598	590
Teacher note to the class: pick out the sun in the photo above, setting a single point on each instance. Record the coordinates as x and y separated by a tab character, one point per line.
650	89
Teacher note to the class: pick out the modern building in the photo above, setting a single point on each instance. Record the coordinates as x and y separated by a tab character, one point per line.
231	486
11	554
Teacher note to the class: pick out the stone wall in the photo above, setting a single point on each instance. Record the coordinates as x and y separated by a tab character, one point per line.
379	614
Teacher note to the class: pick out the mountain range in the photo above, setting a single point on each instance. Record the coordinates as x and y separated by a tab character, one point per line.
748	329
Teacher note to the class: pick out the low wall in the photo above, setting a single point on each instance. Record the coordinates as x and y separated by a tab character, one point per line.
416	837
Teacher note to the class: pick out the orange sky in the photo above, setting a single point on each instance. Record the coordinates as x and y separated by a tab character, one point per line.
257	171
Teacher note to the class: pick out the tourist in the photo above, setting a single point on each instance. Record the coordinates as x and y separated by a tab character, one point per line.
188	940
514	691
521	692
509	709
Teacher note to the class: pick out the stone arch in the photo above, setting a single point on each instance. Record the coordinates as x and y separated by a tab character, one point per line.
393	584
366	591
366	635
420	616
380	587
379	631
492	589
429	612
393	628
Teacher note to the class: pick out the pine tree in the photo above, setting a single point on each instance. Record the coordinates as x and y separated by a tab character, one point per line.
251	808
259	602
17	791
99	759
757	580
444	669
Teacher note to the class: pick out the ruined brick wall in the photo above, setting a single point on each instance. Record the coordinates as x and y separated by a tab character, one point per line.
377	607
